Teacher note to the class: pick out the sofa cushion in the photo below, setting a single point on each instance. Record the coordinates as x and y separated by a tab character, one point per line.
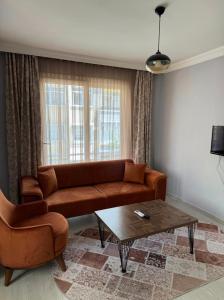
59	225
123	193
88	173
48	181
77	201
134	172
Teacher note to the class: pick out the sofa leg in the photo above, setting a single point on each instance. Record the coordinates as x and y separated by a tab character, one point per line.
8	276
61	262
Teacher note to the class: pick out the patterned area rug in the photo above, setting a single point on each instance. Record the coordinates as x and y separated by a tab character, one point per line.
160	267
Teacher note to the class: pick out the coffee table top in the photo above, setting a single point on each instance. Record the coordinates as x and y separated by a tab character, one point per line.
126	225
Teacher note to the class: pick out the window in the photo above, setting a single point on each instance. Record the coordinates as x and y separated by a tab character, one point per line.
81	122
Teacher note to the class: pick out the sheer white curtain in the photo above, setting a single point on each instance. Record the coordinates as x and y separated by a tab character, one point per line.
86	111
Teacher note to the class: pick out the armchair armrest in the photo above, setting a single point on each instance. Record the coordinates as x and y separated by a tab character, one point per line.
30	189
157	181
26	246
29	210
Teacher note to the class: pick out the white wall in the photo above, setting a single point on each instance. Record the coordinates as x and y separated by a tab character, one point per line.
186	105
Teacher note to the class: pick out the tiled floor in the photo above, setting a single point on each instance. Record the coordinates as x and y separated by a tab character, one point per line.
38	284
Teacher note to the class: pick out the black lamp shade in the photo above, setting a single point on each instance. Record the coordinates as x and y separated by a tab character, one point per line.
157	62
217	143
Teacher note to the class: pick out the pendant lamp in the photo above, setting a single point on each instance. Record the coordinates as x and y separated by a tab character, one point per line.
158	62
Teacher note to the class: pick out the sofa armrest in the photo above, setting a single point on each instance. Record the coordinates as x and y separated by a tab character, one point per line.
30	189
157	181
29	210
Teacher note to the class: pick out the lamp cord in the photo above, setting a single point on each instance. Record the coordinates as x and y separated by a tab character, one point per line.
159	33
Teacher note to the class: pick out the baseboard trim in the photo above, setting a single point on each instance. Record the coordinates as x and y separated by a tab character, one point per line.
205	212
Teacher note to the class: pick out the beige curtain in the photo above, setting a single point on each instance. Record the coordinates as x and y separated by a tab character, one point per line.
22	118
86	111
141	120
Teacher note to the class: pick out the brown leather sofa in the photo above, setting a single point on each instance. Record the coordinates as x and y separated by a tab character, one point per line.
30	236
86	187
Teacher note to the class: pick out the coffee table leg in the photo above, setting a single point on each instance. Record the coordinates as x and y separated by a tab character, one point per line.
124	249
191	237
101	232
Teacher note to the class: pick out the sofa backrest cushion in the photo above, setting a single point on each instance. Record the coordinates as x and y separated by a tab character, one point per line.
79	174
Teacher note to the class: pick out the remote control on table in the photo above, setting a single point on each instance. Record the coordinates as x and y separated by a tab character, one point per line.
141	214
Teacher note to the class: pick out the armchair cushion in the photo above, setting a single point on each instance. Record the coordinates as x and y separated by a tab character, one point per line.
48	181
134	172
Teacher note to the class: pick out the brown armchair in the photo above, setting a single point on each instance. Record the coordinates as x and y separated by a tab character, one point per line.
30	236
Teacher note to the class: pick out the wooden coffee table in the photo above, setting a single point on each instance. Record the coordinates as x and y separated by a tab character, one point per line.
127	226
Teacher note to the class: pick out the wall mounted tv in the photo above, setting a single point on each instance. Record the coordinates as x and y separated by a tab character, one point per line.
217	143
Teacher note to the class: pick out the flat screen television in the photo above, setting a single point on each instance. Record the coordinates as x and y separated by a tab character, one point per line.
217	143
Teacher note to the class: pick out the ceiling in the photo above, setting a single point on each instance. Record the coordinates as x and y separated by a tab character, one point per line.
122	31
